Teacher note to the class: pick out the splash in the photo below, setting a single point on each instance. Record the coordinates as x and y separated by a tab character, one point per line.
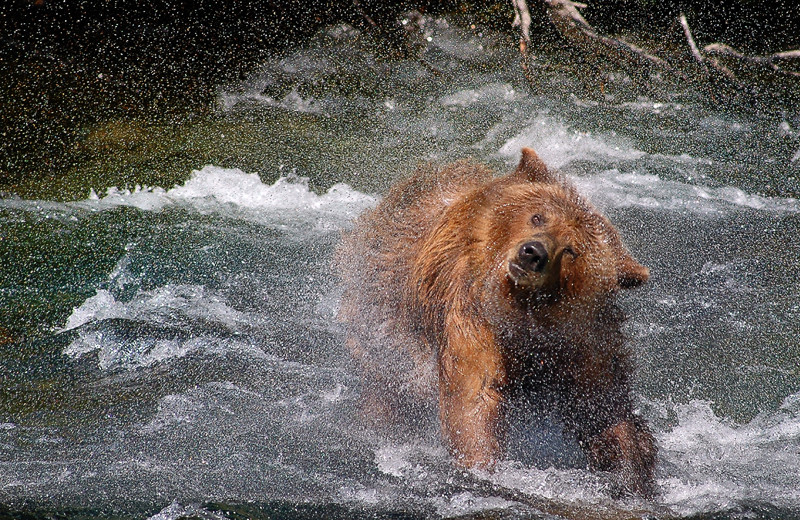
559	146
110	327
715	464
164	305
288	203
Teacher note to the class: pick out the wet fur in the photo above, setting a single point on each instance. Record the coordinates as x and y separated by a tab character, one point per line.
434	315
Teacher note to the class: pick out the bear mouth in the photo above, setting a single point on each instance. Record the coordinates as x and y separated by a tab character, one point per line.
535	264
523	277
516	271
529	262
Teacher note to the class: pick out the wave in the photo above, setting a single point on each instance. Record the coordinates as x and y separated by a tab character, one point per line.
111	327
289	201
289	204
559	146
613	189
286	204
713	464
493	94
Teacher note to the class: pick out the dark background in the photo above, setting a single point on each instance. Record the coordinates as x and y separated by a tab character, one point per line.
67	64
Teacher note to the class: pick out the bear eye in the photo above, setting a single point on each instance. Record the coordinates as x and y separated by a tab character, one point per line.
537	220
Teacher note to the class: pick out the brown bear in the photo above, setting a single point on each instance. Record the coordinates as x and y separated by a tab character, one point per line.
479	291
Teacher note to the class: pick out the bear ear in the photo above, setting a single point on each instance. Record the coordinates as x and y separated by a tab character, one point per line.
631	273
532	168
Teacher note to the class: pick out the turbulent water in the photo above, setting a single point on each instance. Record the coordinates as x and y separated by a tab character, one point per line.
173	351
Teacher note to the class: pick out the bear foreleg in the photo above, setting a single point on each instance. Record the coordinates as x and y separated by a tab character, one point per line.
613	438
627	449
471	377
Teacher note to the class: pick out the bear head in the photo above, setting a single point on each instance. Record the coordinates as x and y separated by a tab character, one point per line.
549	244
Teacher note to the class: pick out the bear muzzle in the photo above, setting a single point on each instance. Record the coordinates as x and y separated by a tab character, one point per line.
536	264
531	263
532	257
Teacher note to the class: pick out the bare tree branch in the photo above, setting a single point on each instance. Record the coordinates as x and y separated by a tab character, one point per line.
576	30
522	19
772	61
732	74
718	71
708	66
690	39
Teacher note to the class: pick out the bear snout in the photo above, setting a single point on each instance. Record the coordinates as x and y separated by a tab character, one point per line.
529	263
532	256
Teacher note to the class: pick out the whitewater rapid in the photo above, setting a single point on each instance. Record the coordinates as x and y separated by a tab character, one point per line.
708	463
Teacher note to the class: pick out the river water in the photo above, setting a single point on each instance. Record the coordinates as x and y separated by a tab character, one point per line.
172	350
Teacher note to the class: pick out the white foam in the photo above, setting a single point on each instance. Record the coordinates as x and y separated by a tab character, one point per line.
174	409
143	197
102	303
466	504
171	512
174	305
559	485
393	460
289	203
559	145
176	511
491	93
716	464
292	102
233	186
611	188
363	495
409	460
196	406
655	107
454	41
707	464
115	352
335	395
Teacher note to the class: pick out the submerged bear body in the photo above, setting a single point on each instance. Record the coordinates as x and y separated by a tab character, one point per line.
473	292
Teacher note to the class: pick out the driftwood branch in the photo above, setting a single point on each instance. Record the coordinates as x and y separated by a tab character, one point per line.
709	70
574	28
690	39
522	19
776	61
732	74
717	71
708	65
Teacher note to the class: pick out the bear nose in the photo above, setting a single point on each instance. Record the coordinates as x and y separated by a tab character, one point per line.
533	256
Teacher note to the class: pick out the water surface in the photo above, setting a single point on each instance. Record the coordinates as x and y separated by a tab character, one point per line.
171	350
